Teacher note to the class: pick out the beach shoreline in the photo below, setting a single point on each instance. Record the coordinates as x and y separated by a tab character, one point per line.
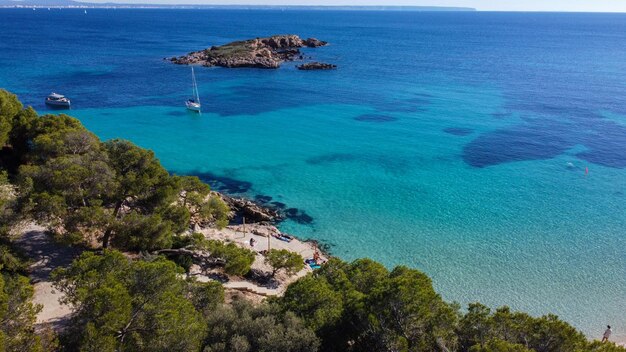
267	229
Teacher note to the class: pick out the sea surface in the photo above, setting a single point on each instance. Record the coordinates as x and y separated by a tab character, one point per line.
486	149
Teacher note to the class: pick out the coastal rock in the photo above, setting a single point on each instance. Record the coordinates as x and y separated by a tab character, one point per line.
316	66
252	211
268	52
314	43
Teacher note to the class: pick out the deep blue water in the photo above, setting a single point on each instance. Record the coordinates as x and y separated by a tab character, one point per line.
456	143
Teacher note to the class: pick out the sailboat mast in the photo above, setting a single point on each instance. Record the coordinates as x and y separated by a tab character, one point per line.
193	83
196	95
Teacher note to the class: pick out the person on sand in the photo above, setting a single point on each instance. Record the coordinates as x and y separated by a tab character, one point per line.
252	242
316	257
607	333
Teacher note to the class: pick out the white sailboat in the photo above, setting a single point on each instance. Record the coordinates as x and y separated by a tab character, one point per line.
193	103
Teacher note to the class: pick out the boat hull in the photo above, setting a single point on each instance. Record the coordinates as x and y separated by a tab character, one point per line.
193	107
58	104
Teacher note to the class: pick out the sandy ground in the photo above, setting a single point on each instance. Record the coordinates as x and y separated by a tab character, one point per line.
241	235
47	256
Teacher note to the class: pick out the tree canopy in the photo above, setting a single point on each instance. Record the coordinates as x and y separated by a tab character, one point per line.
128	305
362	306
242	327
10	106
93	192
282	259
17	315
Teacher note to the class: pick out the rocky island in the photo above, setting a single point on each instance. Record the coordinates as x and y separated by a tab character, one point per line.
268	52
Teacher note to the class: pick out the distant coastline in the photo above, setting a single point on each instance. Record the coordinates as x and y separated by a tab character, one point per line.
80	4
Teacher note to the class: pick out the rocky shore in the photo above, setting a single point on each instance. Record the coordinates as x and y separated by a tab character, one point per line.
268	52
251	211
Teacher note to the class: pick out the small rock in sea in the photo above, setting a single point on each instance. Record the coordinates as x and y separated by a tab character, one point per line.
316	66
314	43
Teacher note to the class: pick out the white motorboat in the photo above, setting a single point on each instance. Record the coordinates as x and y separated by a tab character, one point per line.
58	100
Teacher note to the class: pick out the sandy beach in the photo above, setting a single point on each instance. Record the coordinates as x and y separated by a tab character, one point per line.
48	255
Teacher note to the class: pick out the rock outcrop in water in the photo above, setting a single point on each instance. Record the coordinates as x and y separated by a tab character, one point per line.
316	66
314	43
268	52
252	211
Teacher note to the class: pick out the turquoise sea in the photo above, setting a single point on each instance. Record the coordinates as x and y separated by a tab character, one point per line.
456	143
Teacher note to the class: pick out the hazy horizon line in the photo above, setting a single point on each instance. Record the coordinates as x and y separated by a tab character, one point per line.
139	5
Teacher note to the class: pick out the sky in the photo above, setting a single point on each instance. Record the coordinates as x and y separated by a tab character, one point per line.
484	5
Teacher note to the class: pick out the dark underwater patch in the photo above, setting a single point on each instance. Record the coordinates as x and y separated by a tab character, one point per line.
294	214
375	118
222	183
330	158
298	215
262	198
232	186
278	205
519	143
605	156
458	131
257	99
541	138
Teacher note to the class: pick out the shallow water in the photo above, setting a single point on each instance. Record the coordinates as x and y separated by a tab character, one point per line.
455	143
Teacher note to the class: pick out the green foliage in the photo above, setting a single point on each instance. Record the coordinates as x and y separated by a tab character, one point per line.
17	311
17	315
479	326
315	301
87	191
9	107
143	232
396	311
231	50
139	175
93	191
130	305
10	262
282	259
217	210
19	143
203	207
195	240
185	261
237	260
244	328
6	203
597	346
496	345
205	296
361	306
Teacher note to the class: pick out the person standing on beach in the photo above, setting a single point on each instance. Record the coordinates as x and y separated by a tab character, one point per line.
607	333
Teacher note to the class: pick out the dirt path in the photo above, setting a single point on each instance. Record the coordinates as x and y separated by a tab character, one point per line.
46	256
